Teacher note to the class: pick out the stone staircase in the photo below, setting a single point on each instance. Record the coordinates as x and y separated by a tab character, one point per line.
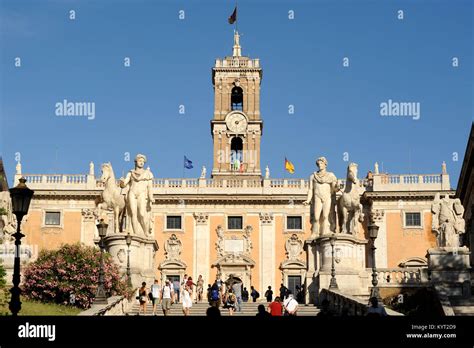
199	309
462	306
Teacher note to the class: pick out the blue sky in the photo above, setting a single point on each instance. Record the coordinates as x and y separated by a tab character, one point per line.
337	109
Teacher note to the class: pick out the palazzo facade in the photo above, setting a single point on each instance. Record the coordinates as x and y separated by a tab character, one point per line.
239	220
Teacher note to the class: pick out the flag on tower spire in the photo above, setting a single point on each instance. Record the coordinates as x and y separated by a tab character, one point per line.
233	16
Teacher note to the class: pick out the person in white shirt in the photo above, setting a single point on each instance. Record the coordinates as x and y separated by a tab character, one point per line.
155	295
166	294
291	305
187	300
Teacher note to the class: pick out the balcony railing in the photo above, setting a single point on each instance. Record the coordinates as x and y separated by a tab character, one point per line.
379	182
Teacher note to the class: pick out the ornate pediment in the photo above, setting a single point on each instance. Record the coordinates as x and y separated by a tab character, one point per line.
293	264
234	259
172	264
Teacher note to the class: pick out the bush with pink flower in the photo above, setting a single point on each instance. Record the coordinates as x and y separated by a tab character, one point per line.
70	275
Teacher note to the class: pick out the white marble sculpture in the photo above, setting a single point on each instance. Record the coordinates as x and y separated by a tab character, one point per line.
203	172
447	221
322	199
111	197
248	240
7	219
139	199
294	247
220	241
91	168
267	172
350	209
173	248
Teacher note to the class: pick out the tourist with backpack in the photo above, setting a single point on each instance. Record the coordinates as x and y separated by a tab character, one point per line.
254	294
214	296
269	294
229	302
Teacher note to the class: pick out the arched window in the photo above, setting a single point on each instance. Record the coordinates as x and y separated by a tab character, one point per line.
236	147
237	99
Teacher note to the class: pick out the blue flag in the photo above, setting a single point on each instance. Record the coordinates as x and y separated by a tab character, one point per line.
188	164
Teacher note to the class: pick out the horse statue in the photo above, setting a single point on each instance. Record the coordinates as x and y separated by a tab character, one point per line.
111	197
350	209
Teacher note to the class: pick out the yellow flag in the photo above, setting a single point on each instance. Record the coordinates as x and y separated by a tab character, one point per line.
289	166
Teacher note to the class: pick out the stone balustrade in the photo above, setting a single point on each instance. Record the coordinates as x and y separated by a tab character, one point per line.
349	305
117	305
410	182
396	277
380	182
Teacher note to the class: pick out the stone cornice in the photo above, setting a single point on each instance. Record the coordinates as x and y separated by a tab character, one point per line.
395	195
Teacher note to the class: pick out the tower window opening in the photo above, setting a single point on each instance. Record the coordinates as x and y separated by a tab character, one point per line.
236	157
237	98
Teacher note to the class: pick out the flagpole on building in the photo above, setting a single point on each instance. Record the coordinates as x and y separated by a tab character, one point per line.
184	162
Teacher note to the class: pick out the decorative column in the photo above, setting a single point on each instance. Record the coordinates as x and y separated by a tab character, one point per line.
88	228
202	247
377	217
267	252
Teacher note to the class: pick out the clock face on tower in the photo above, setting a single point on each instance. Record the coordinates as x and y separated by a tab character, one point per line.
236	123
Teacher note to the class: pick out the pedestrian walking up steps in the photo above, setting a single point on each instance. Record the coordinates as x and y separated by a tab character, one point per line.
199	309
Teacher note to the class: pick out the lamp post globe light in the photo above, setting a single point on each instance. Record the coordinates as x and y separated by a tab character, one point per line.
128	240
333	283
100	296
21	197
373	232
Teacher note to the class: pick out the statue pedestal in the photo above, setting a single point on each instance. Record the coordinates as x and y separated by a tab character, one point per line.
349	262
142	256
449	265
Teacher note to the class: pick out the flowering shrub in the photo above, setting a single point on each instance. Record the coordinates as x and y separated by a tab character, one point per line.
70	275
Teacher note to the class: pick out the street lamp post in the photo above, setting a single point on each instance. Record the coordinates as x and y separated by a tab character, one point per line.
333	283
373	232
100	296
128	240
21	197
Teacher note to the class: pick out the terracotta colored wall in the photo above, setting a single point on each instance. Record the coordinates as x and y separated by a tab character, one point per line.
52	237
160	238
409	242
187	239
254	221
280	255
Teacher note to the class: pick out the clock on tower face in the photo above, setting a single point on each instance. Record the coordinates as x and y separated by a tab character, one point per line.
236	123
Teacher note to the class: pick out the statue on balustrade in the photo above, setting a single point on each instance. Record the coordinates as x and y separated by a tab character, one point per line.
322	199
350	209
139	198
111	198
447	221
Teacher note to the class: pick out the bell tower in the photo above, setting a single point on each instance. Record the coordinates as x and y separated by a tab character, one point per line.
236	126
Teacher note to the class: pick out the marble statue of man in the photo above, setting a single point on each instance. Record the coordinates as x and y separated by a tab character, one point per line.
447	221
203	172
139	196
321	197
